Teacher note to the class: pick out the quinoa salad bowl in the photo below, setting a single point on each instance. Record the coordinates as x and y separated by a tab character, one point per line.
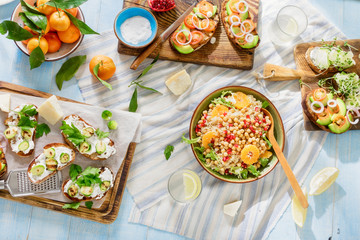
228	134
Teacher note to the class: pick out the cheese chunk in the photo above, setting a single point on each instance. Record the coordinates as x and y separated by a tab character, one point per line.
231	209
51	110
179	82
5	102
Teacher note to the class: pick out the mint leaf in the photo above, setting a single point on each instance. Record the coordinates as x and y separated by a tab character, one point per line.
168	150
96	71
189	141
74	171
133	102
41	129
68	69
14	31
37	57
74	205
89	204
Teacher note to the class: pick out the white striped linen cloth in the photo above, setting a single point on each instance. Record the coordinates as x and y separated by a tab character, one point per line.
166	118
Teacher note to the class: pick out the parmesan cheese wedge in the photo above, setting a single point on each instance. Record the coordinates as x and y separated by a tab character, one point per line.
5	102
232	209
51	110
179	82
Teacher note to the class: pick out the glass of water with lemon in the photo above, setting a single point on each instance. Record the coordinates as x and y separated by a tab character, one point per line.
184	186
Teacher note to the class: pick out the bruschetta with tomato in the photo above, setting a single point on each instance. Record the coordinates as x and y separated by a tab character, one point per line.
197	29
239	24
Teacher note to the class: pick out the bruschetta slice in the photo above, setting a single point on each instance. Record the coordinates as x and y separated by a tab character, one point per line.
239	24
3	163
21	128
197	29
86	139
78	190
56	156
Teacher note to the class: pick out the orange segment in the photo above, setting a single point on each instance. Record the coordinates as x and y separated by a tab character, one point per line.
266	154
250	154
218	110
206	139
241	100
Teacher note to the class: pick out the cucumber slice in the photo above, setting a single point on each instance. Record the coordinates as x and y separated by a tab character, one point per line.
64	157
85	147
51	164
105	186
73	190
86	191
49	152
10	132
88	132
24	145
100	147
37	170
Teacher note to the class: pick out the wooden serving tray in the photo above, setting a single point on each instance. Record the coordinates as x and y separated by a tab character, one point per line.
108	211
308	76
223	53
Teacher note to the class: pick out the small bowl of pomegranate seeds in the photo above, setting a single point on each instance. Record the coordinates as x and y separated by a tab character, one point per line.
161	5
228	134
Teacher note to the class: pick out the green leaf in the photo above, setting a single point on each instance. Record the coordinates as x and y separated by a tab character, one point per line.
26	123
244	174
39	20
15	32
199	152
148	67
90	171
29	23
189	141
73	134
212	155
84	29
37	57
29	110
265	104
168	150
147	88
68	69
264	161
253	170
65	4
101	134
133	102
74	171
28	8
266	140
41	129
96	71
89	204
74	205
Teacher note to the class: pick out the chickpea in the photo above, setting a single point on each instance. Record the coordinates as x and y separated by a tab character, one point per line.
216	162
236	120
207	160
246	134
256	124
230	145
226	119
248	130
237	139
251	135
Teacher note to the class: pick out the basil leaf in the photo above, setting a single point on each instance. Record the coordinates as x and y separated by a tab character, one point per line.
147	88
168	150
39	20
37	57
65	4
89	204
133	103
189	141
15	32
41	129
148	67
74	205
68	69
29	23
84	29
265	104
74	171
96	71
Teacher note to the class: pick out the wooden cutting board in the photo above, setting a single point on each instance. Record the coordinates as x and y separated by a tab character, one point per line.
223	53
307	76
108	211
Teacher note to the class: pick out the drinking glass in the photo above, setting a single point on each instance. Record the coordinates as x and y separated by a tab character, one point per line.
290	22
184	186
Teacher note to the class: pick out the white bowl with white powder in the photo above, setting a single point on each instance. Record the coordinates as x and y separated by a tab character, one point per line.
135	27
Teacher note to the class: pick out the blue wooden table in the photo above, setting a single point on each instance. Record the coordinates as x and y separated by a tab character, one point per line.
334	214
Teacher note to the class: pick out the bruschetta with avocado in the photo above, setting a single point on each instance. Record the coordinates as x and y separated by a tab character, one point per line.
3	163
55	157
197	29
239	24
100	181
86	139
21	129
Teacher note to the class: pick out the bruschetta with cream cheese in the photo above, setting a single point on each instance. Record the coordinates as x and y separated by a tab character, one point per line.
21	128
77	190
3	163
86	139
197	29
55	157
239	24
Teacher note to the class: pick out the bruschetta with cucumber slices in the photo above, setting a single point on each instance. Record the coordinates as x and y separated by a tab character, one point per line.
3	163
55	157
239	24
86	139
197	29
21	128
77	189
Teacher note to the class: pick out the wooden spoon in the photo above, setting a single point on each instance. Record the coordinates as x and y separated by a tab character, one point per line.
285	165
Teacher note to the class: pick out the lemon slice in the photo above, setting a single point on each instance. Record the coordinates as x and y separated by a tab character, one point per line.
298	212
323	180
190	186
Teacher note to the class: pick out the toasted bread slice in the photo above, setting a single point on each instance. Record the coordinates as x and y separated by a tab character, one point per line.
87	198
94	155
40	160
226	25
3	162
8	121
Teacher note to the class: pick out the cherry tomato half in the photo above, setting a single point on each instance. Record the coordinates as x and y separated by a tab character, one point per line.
181	38
197	36
205	7
211	26
189	22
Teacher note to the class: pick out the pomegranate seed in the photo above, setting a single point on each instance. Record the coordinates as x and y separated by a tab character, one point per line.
212	141
227	171
230	125
225	132
235	145
225	113
243	165
202	125
245	122
257	109
265	128
264	120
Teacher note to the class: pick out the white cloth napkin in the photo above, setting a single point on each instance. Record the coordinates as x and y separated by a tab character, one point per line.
166	118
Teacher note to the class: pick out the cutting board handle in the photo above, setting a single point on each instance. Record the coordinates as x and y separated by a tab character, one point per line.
277	73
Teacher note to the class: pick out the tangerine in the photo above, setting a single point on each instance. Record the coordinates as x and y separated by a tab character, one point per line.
241	100
266	154
59	21
250	154
34	43
53	42
107	67
207	138
70	35
51	28
72	11
218	110
30	31
43	8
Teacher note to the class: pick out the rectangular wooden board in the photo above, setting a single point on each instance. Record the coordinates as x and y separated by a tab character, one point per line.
312	80
108	211
223	53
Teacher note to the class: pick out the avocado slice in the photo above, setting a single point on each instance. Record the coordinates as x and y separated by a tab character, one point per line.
85	147
51	164
324	118
186	49
86	191
328	97
37	170
228	10
64	157
243	16
338	125
26	134
196	10
342	106
24	145
72	190
251	44
10	132
2	166
187	34
104	185
49	152
100	147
